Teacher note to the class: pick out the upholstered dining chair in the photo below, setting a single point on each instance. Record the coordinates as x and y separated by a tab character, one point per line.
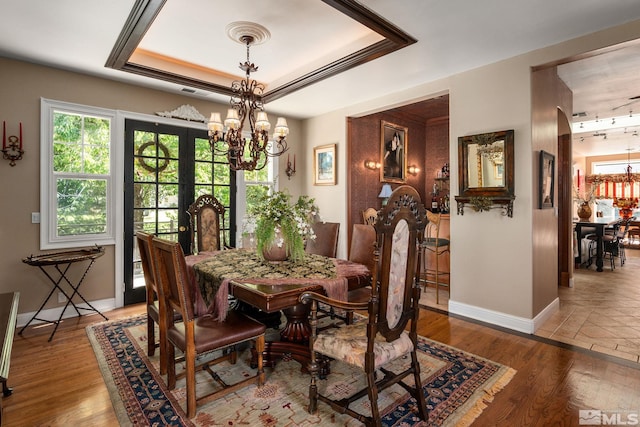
363	240
369	216
390	332
437	246
206	217
196	336
326	241
154	302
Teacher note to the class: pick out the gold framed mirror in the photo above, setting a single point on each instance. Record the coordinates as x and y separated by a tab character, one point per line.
485	172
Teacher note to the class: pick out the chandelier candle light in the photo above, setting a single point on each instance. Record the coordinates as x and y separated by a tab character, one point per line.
247	153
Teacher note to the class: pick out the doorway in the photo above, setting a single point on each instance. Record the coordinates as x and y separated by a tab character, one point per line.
166	168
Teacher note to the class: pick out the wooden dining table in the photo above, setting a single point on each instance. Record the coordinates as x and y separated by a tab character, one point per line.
272	287
597	226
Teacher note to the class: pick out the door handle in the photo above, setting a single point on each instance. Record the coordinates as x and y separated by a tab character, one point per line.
182	228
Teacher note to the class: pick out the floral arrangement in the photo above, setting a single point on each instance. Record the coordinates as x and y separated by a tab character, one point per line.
586	195
625	202
279	222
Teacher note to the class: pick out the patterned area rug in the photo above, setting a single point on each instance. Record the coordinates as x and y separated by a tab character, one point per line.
458	387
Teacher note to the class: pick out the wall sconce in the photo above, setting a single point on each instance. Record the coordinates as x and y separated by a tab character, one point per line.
290	171
413	170
371	164
385	193
13	150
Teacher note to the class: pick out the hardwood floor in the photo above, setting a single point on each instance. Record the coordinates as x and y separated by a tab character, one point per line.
59	383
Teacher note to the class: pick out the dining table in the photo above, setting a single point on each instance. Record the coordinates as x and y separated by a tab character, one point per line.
597	227
272	286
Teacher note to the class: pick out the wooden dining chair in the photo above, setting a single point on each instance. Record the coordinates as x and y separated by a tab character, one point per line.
363	240
196	336
206	217
390	331
153	300
326	241
369	216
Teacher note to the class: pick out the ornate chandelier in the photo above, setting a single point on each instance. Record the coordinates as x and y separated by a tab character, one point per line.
247	152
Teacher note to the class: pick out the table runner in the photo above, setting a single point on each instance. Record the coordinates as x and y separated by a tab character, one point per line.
213	271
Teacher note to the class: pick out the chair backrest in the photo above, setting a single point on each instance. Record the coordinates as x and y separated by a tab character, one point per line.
206	217
363	241
432	229
148	265
395	289
173	278
326	241
369	216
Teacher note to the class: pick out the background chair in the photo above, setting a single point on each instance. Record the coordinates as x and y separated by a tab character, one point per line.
198	335
206	217
153	300
363	240
437	246
384	337
369	216
326	241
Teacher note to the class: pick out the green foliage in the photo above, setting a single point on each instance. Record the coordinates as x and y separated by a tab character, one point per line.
279	222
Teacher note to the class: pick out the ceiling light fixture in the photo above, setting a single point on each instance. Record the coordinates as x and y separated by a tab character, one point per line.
247	152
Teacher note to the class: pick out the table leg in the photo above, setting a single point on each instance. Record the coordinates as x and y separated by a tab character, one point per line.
294	342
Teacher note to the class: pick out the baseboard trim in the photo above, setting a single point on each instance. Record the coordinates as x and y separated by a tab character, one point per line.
516	323
54	313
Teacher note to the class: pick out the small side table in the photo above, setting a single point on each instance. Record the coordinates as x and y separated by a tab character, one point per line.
61	261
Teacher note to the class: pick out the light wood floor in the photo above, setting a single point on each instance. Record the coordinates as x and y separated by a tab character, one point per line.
59	383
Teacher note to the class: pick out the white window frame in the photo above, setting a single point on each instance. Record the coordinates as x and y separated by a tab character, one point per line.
48	193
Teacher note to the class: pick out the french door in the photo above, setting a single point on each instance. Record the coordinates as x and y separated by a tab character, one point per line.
166	169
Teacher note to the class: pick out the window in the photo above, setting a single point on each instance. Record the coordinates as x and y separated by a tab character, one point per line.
252	185
77	165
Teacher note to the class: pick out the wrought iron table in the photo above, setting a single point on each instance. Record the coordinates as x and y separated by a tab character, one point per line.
61	261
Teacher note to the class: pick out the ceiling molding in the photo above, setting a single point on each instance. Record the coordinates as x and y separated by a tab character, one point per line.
144	13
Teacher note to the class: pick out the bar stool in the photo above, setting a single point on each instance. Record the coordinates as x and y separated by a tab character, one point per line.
436	245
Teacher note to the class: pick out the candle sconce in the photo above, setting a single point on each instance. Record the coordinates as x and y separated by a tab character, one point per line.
12	150
291	171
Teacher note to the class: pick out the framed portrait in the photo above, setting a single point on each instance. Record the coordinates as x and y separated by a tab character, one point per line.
393	152
547	169
324	165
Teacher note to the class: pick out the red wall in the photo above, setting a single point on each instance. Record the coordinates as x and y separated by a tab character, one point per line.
427	148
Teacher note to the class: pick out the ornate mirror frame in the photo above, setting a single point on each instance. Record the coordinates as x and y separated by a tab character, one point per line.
478	197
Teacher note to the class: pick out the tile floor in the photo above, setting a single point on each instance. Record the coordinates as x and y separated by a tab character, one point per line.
600	313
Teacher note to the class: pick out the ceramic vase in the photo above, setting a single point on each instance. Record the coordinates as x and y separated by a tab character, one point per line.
584	211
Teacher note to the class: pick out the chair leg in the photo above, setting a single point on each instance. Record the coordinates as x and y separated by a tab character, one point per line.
313	388
373	397
163	352
419	394
151	336
437	276
190	360
260	350
171	366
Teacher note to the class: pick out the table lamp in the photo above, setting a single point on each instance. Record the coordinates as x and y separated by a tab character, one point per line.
385	193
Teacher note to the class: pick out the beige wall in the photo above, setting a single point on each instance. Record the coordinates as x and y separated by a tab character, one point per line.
492	260
22	86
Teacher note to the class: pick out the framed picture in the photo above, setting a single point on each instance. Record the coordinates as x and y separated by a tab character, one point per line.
393	152
324	165
547	169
